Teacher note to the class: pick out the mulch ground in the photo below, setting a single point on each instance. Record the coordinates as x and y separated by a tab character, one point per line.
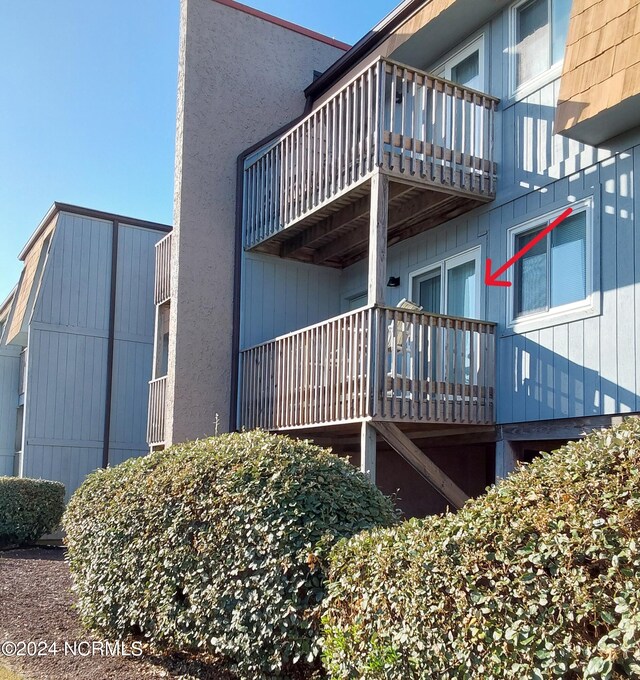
36	604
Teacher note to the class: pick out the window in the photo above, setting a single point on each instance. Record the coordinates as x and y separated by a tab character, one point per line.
465	67
555	273
450	287
539	35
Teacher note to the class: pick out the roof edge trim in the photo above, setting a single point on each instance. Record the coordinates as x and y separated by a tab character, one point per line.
283	23
364	46
58	207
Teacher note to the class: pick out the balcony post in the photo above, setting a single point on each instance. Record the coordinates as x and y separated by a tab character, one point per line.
506	459
379	218
368	456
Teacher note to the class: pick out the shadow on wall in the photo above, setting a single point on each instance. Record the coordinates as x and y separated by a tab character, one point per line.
540	155
546	384
587	366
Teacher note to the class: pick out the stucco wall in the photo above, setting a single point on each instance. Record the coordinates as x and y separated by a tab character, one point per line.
240	78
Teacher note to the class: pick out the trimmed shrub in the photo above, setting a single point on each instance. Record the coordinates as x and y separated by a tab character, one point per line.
218	546
29	508
538	579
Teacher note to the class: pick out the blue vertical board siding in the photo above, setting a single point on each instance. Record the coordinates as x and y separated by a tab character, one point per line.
76	281
66	386
130	394
636	313
135	310
9	382
66	395
281	296
582	367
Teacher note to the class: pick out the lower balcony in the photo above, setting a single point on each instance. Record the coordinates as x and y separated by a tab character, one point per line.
376	363
156	417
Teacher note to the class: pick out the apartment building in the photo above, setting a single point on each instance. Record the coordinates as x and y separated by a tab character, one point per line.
340	215
76	346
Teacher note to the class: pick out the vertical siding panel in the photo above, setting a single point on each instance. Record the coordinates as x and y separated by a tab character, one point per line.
625	284
561	371
519	361
9	382
608	327
636	214
547	388
532	408
287	296
591	359
576	370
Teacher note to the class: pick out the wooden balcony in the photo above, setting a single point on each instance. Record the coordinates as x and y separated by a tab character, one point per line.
156	415
306	193
162	291
376	363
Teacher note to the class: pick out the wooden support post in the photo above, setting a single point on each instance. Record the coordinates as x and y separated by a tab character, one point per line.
378	223
506	459
368	451
399	441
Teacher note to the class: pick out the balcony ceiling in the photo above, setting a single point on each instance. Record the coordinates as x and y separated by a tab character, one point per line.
337	235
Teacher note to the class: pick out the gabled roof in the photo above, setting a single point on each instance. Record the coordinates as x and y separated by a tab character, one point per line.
58	207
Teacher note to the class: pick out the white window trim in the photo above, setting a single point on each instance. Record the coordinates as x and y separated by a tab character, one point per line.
443	70
554	315
443	266
533	84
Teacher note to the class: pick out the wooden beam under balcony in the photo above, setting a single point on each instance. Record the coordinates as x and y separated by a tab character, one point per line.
339	222
399	441
418	204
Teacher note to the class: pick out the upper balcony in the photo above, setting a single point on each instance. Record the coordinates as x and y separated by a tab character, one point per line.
306	193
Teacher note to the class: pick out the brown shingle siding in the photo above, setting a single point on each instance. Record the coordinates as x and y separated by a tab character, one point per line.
601	62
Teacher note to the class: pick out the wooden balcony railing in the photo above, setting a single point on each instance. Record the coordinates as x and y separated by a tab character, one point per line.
162	291
390	116
156	416
380	363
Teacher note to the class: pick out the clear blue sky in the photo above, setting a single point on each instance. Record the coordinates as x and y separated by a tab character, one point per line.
87	104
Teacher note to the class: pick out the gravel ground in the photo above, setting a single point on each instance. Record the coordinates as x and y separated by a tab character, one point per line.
36	604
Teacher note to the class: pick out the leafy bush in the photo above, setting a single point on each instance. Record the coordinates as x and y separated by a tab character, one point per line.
540	578
218	546
29	508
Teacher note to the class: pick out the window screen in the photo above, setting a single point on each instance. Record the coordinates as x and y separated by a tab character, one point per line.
531	275
532	40
427	292
569	260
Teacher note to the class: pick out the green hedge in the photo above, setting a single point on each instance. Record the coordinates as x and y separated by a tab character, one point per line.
29	508
218	546
538	579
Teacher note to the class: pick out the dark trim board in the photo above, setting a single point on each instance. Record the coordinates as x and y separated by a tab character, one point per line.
567	428
111	344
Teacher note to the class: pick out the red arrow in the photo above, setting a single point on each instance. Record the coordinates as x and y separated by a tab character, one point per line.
492	279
